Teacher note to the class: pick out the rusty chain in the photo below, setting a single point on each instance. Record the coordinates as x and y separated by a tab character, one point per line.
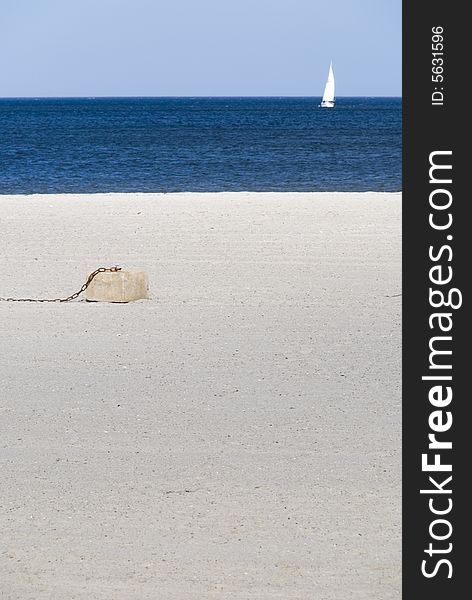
69	298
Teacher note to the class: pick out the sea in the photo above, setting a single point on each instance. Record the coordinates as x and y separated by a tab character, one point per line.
89	145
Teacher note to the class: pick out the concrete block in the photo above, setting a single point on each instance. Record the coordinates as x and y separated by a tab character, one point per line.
122	286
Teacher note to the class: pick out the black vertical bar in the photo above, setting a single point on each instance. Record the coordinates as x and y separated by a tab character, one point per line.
435	116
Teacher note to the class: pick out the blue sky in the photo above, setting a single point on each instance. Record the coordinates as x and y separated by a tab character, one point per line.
199	47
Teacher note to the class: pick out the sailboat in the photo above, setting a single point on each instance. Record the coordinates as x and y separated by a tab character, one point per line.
328	96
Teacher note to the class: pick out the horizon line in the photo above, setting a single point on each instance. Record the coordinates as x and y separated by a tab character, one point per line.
88	96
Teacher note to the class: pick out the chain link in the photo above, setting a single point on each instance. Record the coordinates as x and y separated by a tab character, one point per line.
69	298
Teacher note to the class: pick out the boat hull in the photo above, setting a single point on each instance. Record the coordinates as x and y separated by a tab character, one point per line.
327	104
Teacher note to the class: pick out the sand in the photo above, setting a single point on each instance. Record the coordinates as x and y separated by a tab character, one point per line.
235	437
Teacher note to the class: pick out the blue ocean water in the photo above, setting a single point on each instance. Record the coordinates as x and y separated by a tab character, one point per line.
199	144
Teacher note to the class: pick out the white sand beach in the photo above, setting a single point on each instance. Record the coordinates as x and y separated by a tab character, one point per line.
237	436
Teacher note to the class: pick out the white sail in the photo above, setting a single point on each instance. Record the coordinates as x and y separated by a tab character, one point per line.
328	96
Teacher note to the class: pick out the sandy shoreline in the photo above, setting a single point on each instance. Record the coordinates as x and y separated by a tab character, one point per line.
238	435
